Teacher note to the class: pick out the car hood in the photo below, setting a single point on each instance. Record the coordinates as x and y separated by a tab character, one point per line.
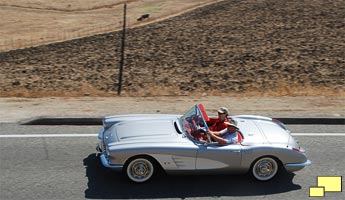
150	130
108	121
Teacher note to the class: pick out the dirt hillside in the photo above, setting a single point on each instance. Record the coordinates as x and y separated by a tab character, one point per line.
267	46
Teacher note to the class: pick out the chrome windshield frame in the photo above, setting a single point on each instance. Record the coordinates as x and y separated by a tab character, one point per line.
192	112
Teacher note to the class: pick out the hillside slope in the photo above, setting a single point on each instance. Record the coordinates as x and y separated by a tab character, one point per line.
232	46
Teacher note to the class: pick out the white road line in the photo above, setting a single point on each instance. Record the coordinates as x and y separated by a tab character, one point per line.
318	134
48	135
95	135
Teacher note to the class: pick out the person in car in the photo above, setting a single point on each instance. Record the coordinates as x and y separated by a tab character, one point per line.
227	135
217	124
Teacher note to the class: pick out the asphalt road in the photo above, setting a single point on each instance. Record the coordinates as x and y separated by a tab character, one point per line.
67	168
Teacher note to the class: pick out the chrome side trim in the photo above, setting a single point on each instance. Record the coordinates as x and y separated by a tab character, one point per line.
105	163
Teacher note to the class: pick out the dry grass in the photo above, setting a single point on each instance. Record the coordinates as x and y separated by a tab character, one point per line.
34	22
28	23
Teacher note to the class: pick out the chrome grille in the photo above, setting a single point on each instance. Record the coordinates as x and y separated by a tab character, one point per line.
103	146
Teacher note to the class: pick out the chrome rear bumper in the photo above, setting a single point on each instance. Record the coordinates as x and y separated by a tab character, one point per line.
291	167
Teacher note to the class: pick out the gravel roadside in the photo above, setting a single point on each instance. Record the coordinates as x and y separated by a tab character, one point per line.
18	109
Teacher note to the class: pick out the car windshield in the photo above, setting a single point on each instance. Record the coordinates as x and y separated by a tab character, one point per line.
194	124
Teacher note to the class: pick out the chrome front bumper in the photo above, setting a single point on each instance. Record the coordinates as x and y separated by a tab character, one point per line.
105	161
291	167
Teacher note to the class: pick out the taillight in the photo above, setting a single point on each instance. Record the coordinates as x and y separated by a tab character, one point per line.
276	121
295	149
281	124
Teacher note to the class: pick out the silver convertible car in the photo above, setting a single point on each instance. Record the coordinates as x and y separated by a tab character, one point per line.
140	144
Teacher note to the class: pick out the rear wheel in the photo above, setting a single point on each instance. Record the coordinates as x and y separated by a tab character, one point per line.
140	169
265	168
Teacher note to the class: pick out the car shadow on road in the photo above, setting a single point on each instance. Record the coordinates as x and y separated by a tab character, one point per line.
104	183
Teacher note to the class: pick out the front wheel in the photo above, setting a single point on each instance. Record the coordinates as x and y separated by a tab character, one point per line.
265	168
140	170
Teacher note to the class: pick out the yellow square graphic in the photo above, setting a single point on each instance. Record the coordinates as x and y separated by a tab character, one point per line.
316	191
331	183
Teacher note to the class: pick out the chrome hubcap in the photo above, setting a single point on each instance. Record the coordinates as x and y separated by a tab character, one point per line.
265	169
140	170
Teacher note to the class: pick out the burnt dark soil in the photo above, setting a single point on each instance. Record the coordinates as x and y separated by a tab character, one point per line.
231	46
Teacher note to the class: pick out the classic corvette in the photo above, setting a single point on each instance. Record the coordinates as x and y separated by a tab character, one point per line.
140	144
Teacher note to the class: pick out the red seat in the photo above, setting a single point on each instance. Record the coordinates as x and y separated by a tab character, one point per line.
203	111
239	137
